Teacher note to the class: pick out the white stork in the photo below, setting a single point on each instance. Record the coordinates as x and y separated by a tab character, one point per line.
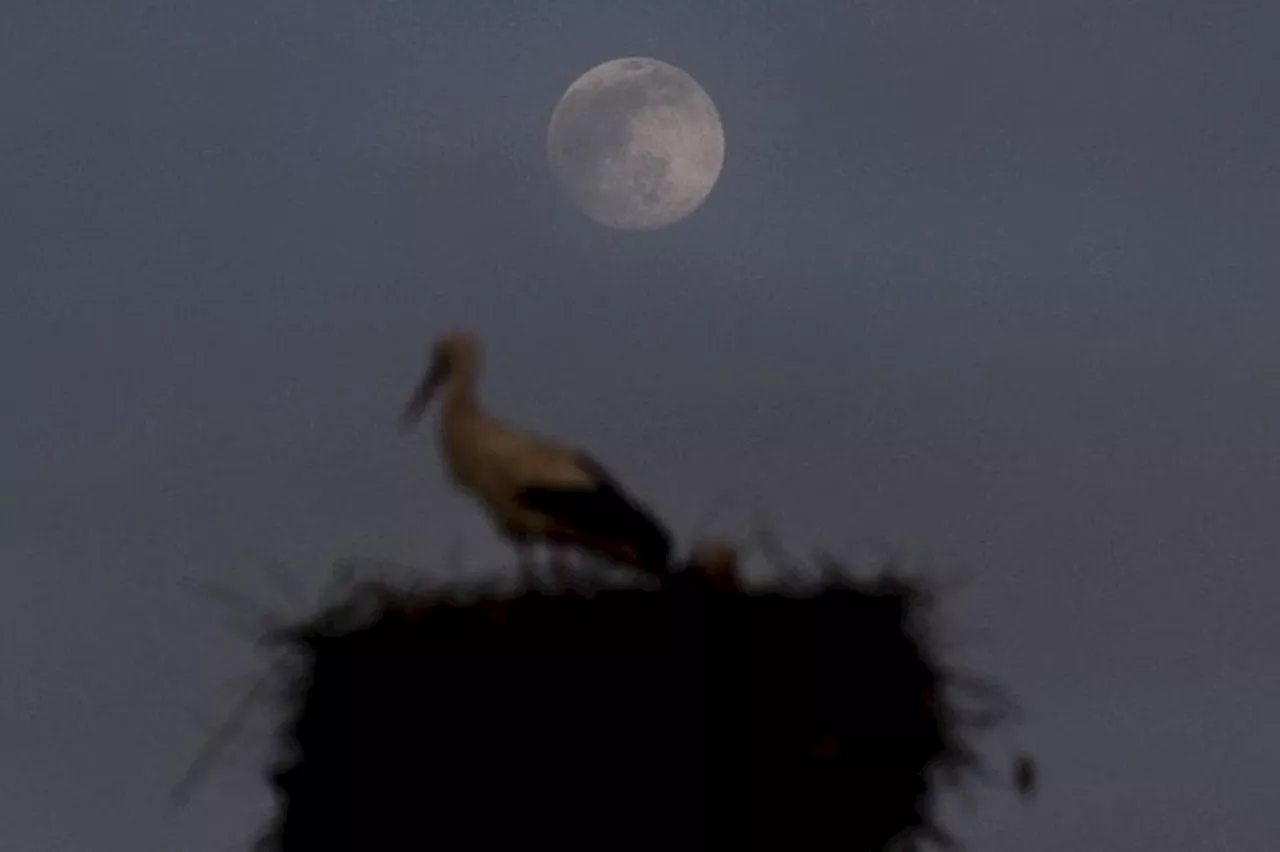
532	488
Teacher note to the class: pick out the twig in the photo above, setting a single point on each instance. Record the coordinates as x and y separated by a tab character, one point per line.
204	758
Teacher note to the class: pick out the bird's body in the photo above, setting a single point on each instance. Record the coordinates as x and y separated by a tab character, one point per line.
533	489
494	461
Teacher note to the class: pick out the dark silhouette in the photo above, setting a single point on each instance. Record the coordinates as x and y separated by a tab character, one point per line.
697	716
1024	775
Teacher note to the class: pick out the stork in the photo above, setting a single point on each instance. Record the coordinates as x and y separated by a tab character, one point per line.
533	489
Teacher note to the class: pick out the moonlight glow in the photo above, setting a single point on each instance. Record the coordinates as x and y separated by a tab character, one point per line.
636	143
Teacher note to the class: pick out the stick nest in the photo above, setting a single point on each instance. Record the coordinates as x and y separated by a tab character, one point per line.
694	716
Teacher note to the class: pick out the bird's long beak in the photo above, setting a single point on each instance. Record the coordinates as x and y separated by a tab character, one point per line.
417	404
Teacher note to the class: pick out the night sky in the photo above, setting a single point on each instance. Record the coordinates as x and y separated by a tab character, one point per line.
992	280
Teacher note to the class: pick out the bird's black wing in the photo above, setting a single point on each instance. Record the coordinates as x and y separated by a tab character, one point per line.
603	514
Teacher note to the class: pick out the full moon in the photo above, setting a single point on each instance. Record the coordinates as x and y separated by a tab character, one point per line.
635	144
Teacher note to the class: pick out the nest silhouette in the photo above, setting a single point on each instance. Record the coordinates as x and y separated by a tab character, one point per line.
694	716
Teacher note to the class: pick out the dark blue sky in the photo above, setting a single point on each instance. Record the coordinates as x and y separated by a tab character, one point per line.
993	280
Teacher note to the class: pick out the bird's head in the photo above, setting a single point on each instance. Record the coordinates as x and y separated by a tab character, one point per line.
454	356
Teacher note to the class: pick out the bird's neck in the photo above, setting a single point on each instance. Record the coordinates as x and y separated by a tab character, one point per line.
462	400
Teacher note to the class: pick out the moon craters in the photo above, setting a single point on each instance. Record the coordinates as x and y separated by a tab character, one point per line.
636	144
